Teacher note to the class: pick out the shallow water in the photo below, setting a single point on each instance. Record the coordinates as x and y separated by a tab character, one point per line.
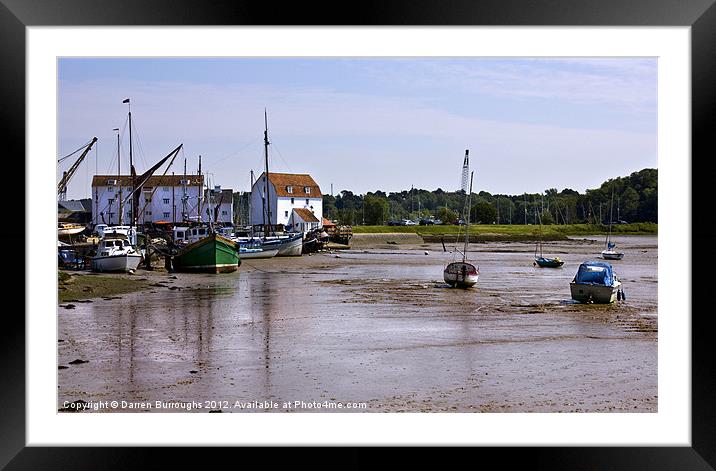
376	327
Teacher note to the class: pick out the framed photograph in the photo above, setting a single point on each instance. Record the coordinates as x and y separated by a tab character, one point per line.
196	146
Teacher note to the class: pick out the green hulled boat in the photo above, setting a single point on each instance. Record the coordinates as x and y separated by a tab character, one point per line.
212	254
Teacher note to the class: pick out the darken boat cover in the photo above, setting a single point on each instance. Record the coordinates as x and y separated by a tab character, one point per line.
595	273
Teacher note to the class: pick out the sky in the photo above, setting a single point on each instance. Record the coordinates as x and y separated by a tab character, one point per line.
364	124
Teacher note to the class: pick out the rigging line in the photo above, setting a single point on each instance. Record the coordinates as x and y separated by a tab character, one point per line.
73	153
140	148
236	152
273	142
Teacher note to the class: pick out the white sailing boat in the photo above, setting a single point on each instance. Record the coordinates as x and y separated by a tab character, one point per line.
609	253
463	274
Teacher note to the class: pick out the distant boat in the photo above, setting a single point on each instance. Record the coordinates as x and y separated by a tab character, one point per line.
596	282
292	243
609	253
542	261
116	253
210	254
463	274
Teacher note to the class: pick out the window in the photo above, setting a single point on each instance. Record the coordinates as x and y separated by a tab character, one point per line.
147	199
224	213
166	215
166	200
285	214
166	189
292	200
111	215
202	231
147	213
110	201
289	189
306	200
110	189
307	189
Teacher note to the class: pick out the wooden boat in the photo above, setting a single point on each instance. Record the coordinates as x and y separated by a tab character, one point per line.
212	254
115	253
596	282
463	274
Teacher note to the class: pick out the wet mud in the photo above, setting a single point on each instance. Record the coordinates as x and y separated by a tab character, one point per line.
375	326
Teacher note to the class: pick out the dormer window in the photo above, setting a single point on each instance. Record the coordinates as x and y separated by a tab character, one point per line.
307	189
289	189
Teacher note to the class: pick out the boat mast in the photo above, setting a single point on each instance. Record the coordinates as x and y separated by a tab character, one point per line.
119	177
609	235
467	226
201	189
267	203
133	217
184	215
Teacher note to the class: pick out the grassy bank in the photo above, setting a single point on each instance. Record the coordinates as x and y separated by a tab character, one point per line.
515	232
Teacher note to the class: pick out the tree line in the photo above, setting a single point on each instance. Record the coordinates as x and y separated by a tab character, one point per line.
630	199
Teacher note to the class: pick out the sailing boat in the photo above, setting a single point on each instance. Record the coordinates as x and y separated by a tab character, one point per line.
609	253
210	252
463	274
542	261
289	245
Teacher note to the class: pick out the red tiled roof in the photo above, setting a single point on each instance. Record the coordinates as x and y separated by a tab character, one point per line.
305	214
298	181
155	180
327	223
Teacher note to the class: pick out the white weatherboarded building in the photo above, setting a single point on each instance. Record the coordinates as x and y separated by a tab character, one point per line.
286	192
171	198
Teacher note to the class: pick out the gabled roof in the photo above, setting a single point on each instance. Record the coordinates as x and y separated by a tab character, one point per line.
154	180
305	214
298	181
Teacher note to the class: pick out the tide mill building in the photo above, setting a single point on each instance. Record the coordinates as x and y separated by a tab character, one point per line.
293	199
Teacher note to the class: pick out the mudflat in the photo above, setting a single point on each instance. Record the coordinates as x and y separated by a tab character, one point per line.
374	327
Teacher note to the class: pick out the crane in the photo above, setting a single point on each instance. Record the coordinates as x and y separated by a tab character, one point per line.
62	186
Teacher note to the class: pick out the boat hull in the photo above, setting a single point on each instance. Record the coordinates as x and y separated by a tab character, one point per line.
461	275
70	230
612	255
292	247
592	293
212	254
116	263
549	262
267	253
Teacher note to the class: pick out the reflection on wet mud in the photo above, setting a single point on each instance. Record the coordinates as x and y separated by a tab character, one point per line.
379	328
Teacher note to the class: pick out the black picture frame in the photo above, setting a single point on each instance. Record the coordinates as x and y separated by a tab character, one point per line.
700	15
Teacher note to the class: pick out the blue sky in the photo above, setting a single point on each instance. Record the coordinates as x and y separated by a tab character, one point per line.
366	124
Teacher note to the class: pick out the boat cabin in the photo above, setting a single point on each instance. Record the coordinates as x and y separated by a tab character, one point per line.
112	244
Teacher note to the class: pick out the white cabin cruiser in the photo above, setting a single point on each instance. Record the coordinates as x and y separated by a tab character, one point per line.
116	253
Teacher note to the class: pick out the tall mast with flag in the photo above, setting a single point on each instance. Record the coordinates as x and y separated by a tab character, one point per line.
135	198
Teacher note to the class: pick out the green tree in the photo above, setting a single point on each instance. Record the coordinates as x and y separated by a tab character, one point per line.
376	209
483	213
447	216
